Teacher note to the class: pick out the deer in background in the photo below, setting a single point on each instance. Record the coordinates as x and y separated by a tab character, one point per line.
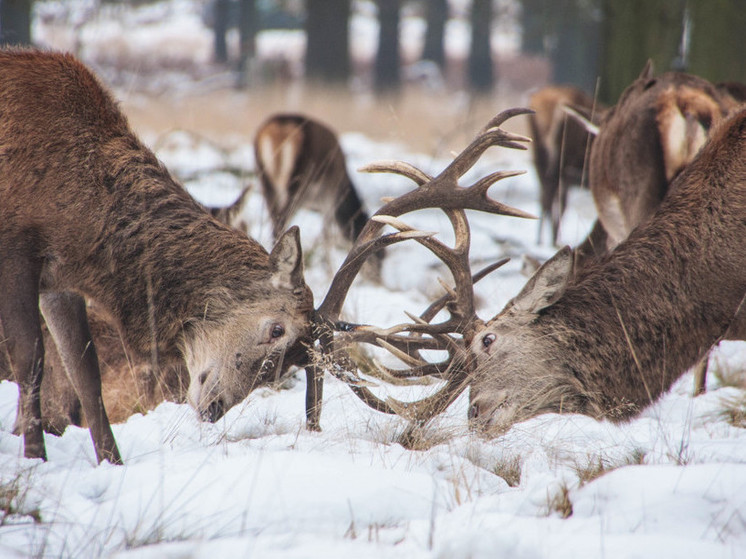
88	211
653	132
301	165
560	147
611	340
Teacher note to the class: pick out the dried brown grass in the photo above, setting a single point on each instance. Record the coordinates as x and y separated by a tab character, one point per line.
428	122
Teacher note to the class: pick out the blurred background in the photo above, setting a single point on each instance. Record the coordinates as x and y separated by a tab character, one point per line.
422	72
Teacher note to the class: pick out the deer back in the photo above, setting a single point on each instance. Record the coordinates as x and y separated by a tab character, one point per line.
610	341
645	140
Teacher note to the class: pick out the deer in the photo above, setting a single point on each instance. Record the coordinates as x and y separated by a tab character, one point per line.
560	148
608	340
91	217
653	132
89	213
301	165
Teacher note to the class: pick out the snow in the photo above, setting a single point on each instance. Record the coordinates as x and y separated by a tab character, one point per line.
257	484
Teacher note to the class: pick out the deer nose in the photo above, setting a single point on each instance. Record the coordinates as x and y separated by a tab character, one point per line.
214	411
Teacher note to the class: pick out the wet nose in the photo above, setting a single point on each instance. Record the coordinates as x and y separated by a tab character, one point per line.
214	411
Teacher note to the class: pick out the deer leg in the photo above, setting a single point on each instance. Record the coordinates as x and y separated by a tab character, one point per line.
19	313
700	375
314	395
65	315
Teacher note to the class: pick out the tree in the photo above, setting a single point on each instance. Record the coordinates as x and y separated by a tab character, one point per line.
221	17
15	22
327	40
480	69
387	67
434	49
635	31
718	42
247	29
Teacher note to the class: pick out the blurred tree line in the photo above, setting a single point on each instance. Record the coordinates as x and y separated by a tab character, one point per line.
588	43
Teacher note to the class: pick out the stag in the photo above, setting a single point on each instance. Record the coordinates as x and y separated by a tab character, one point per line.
560	148
613	339
89	212
301	165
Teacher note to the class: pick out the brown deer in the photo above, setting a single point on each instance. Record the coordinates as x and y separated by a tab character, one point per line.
560	148
645	140
607	340
612	340
88	211
643	143
301	165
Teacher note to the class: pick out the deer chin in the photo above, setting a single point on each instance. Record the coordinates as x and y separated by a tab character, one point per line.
206	395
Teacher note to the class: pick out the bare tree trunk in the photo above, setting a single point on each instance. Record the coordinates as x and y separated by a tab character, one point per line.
434	49
327	40
481	73
220	28
15	22
387	75
633	32
247	28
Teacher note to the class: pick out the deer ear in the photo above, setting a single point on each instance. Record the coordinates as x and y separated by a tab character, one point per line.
286	260
647	71
547	284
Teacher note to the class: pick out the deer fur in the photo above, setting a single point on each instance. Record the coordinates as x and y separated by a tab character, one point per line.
560	147
612	340
89	212
301	165
645	140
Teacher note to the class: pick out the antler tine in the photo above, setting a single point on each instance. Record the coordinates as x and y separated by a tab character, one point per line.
503	116
491	135
406	341
398	168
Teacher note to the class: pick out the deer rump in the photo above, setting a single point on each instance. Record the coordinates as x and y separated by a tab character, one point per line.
301	165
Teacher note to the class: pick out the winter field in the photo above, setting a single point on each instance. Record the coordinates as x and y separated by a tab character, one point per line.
671	483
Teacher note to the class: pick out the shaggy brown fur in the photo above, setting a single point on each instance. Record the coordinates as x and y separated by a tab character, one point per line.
656	128
88	211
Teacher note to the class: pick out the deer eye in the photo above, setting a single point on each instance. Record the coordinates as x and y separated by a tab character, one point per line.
487	340
278	330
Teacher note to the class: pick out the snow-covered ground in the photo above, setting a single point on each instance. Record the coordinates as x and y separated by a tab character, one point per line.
671	483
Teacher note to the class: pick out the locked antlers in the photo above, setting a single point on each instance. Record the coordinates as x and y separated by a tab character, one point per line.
406	341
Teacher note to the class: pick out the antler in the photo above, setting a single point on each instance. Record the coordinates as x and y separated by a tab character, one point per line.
407	340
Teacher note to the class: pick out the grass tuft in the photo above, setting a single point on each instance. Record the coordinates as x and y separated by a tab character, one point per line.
510	470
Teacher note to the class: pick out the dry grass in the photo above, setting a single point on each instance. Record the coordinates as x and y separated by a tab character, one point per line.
510	470
734	411
560	502
432	123
13	494
598	466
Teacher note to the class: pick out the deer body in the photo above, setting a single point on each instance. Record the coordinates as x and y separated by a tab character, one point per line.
611	341
88	211
301	165
560	147
645	140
